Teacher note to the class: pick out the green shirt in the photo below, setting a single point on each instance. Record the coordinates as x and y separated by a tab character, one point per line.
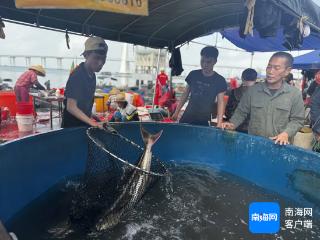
270	114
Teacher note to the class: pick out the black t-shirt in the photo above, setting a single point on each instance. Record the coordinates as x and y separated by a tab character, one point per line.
204	91
81	87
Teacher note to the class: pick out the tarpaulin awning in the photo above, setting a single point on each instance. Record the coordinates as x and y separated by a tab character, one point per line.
170	22
257	44
307	61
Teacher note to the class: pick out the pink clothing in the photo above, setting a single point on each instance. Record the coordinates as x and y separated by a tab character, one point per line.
27	79
23	85
22	94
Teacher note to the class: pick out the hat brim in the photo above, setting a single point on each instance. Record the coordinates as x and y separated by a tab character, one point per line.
40	73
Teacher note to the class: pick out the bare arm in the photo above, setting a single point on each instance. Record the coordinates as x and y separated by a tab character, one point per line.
182	101
75	111
221	108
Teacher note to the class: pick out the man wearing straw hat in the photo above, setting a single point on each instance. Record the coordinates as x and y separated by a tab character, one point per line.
26	81
126	111
81	86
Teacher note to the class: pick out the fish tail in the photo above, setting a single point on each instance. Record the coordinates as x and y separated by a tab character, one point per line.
109	221
148	137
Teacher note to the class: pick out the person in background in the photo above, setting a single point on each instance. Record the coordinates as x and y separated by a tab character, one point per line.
26	81
249	77
233	83
204	86
275	108
81	86
316	134
315	101
125	112
289	79
161	86
312	87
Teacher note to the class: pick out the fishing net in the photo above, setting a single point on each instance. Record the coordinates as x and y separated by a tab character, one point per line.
111	164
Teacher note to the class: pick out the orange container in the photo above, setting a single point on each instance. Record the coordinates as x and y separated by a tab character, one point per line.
101	102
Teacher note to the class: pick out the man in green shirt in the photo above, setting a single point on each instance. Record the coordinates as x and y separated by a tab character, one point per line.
275	108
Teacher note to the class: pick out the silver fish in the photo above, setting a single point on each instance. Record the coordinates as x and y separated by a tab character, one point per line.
135	187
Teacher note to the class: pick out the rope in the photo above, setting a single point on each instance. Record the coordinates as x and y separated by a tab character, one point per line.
301	24
249	23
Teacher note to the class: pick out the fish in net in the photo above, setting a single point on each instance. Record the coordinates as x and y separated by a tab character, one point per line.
118	173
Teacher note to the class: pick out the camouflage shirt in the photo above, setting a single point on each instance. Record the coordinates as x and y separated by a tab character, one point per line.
271	114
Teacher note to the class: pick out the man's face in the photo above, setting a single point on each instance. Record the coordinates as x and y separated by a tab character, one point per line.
277	70
95	61
207	64
249	83
120	104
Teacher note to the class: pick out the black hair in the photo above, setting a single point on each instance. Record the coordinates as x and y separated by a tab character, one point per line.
100	52
210	52
285	55
289	78
249	74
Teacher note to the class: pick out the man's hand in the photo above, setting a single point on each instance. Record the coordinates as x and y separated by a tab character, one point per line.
282	138
95	117
96	124
107	127
228	126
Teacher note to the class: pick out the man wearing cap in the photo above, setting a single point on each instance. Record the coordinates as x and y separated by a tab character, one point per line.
249	77
204	86
26	81
81	86
125	112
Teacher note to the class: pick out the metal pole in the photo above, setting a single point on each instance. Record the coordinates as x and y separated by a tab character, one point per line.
154	91
251	59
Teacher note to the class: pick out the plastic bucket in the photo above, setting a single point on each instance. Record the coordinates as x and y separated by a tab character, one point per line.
25	122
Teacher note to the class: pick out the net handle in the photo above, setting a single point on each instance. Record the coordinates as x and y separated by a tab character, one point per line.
99	144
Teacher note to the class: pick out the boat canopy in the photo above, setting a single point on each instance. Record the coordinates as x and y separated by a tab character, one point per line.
256	43
170	22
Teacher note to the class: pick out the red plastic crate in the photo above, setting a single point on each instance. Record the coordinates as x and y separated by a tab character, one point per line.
8	99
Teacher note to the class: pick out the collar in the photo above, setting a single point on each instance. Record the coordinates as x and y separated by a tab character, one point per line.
284	88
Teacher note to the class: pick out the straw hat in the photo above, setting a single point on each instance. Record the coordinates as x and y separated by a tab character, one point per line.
39	69
120	97
114	91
